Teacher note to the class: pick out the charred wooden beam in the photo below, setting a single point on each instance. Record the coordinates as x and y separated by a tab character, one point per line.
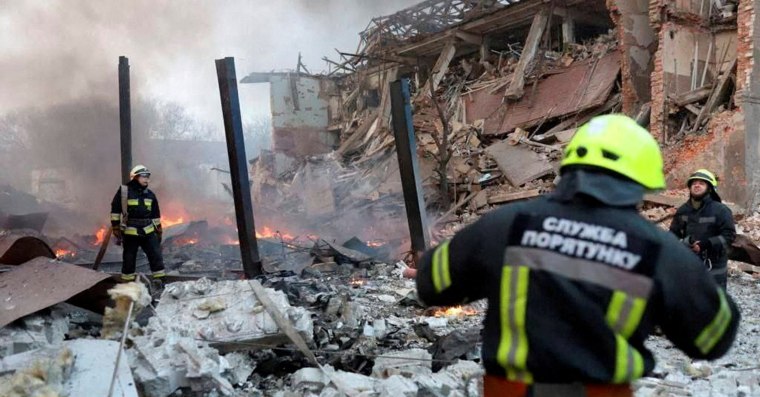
532	42
125	119
406	150
440	68
241	190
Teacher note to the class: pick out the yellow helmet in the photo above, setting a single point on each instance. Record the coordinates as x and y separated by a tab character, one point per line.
139	170
704	175
615	142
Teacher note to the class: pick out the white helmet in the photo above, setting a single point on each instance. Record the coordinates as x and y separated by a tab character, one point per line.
139	170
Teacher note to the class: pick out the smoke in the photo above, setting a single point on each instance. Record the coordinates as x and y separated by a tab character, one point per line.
59	116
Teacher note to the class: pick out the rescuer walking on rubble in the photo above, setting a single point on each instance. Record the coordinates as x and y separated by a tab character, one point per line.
136	222
577	280
706	225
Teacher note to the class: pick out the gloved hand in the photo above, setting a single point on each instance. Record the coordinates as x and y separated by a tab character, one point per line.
160	233
117	235
704	245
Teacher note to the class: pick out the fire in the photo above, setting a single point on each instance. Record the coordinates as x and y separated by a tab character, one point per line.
186	241
63	252
167	222
357	282
100	235
375	243
455	311
267	232
231	241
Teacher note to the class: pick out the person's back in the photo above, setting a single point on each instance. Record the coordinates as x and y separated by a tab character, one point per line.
575	283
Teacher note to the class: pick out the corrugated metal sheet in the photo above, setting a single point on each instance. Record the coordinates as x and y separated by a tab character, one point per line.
41	283
16	249
580	87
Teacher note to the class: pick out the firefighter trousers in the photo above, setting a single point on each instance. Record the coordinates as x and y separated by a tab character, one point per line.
151	245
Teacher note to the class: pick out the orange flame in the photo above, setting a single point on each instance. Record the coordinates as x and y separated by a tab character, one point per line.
100	235
455	311
375	243
167	222
357	282
186	241
63	252
267	232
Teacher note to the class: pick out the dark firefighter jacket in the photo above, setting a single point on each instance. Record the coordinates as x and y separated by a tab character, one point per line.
711	223
143	214
575	283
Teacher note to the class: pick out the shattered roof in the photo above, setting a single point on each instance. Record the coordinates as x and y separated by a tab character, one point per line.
429	17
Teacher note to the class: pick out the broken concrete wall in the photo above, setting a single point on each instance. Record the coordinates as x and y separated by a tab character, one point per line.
638	42
303	108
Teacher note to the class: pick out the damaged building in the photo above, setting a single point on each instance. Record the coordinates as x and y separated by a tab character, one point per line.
498	88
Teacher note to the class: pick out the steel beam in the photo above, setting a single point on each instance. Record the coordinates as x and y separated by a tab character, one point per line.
125	119
406	150
241	190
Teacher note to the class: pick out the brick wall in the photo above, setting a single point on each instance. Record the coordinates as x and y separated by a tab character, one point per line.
744	48
658	116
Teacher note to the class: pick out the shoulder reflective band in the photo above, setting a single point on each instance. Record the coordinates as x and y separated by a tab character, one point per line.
148	202
624	313
712	333
629	365
441	275
115	217
133	202
512	353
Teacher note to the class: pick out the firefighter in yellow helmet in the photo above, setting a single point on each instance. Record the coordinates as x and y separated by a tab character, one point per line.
577	280
136	223
706	225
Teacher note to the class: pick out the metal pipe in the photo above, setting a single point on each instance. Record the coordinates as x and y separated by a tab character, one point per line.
125	119
406	150
241	190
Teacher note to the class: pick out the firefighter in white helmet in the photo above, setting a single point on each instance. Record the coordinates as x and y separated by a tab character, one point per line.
136	223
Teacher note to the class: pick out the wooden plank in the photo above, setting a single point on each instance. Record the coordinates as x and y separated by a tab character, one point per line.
719	92
502	198
692	96
440	68
661	199
515	90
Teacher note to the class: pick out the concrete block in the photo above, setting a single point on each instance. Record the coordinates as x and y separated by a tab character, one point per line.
227	314
34	332
238	367
350	383
309	379
89	373
409	363
398	386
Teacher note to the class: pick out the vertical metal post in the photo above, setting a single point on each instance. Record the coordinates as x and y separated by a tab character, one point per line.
241	190
125	119
406	150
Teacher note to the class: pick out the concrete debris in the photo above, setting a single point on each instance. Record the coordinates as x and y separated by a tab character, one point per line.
35	331
408	363
227	314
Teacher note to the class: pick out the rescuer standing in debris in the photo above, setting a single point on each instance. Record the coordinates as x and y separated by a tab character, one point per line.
577	280
136	223
706	225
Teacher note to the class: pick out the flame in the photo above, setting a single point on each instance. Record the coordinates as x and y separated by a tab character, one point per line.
376	243
167	222
357	282
231	241
267	232
63	252
455	311
100	235
186	241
